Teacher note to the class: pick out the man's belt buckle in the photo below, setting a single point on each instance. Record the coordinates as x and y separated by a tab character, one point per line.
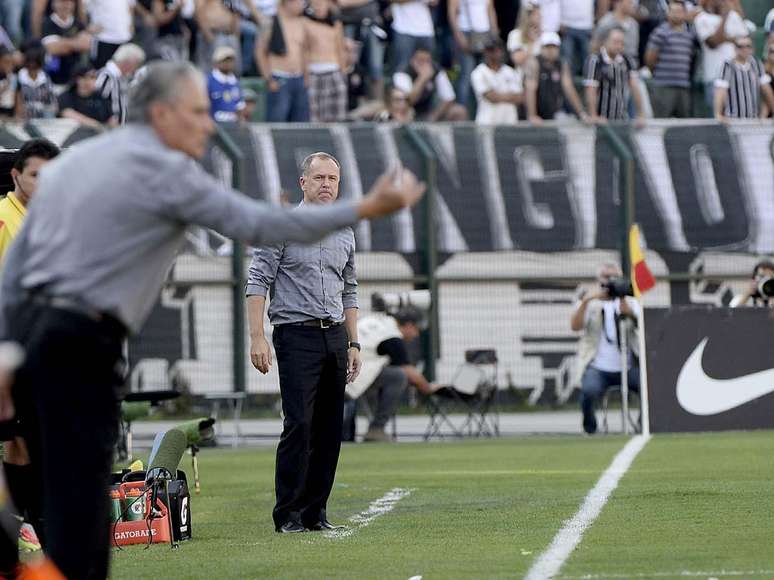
326	324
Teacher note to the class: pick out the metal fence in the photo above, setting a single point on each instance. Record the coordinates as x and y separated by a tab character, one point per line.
515	223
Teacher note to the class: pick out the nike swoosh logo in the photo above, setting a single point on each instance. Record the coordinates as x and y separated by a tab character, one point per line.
700	394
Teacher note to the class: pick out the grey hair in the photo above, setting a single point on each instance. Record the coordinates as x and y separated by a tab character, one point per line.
306	164
129	52
161	83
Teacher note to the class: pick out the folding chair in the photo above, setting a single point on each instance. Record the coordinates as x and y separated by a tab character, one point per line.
474	388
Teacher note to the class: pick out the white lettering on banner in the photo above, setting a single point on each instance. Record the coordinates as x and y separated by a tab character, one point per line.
492	190
649	146
706	185
403	221
450	238
269	175
752	146
529	168
579	147
351	183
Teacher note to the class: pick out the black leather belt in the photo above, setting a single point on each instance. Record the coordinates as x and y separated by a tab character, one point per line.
70	305
317	323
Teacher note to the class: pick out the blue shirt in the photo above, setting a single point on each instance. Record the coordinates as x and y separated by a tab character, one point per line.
225	96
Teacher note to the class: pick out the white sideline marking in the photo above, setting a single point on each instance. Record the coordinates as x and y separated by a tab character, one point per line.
376	509
550	562
684	574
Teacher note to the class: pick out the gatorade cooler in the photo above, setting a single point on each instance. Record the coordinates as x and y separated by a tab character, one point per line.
134	504
116	507
137	530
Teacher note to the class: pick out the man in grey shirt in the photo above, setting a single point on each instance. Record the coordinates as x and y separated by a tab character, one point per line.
314	313
108	219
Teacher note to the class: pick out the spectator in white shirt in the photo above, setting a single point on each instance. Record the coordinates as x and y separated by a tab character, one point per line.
428	88
412	28
498	88
551	14
721	22
112	21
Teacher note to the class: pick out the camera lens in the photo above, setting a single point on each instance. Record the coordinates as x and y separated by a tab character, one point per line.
766	288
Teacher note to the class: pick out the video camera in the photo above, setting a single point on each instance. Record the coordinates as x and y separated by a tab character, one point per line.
765	288
619	287
393	302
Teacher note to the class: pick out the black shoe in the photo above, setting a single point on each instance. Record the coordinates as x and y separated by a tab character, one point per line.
325	525
290	527
590	424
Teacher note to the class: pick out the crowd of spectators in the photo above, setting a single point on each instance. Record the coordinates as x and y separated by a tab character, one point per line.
400	60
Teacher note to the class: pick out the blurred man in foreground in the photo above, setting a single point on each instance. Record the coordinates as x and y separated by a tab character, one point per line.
87	268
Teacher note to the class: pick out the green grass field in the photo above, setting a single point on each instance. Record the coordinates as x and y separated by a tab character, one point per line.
691	505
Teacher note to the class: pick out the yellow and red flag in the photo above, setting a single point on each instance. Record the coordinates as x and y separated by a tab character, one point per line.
642	277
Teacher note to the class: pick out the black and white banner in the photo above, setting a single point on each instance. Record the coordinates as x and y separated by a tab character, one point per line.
517	207
710	369
699	186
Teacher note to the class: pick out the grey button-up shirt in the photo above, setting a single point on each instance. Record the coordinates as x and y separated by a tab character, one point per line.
110	215
306	280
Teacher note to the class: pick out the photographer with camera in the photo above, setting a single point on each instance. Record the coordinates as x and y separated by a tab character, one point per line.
598	315
760	289
387	367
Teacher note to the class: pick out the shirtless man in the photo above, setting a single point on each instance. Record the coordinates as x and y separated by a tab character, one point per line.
281	55
218	26
325	55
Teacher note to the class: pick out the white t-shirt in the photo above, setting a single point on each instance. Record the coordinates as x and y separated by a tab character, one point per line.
412	18
706	25
114	17
476	11
608	357
578	14
550	15
503	80
444	91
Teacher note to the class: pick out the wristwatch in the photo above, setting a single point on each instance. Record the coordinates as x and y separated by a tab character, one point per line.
352	344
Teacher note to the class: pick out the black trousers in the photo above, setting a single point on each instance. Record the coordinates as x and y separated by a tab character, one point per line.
312	366
66	402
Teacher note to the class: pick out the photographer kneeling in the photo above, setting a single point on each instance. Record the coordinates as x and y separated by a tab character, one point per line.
387	369
597	314
761	288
